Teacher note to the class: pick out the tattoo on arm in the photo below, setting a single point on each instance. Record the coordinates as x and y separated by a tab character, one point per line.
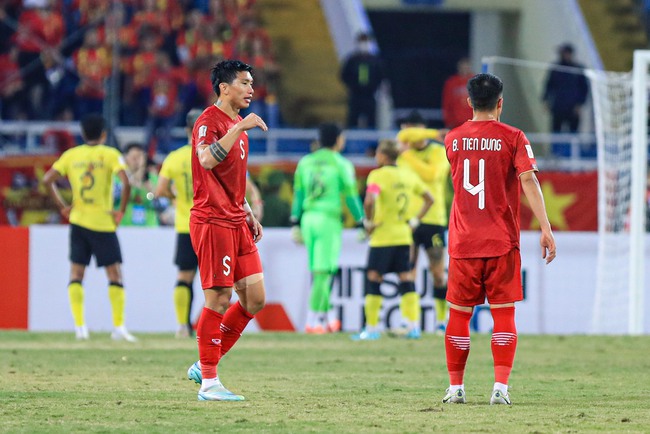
218	152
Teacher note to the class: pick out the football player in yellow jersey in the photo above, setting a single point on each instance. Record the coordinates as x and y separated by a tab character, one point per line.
390	189
427	158
90	168
176	171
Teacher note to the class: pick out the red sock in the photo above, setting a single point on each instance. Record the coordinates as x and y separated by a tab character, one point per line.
457	344
208	336
504	342
234	322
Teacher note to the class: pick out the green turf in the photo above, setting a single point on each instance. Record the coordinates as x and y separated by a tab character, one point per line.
329	384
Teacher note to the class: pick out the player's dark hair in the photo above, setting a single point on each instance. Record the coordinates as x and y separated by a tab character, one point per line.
191	117
484	91
133	145
92	126
226	72
389	148
328	133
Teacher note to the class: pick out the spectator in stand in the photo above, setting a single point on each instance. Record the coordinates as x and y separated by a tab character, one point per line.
153	19
140	208
57	141
12	98
9	12
137	87
455	110
222	24
40	32
167	97
114	31
187	37
565	92
93	65
255	49
362	74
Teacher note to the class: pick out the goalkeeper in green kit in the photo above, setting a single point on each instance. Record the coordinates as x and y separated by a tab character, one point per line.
321	180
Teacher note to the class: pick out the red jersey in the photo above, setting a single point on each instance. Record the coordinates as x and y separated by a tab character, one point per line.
487	158
219	193
455	109
164	91
37	31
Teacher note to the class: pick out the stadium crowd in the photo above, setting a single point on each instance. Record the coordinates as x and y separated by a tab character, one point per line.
56	57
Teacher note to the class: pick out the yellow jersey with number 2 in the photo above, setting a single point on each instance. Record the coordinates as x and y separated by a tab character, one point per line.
395	187
90	171
177	167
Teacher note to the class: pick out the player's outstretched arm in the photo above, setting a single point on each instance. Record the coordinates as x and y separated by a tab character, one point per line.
533	192
211	154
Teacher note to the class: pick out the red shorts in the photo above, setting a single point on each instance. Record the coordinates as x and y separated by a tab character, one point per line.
471	280
226	255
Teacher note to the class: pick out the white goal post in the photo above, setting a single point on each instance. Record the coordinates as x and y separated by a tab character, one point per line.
638	190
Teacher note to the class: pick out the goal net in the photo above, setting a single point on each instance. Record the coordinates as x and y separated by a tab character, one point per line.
620	117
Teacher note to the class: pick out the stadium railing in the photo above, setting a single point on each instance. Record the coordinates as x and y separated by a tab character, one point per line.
568	152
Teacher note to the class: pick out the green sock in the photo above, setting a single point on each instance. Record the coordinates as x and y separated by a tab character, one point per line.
319	292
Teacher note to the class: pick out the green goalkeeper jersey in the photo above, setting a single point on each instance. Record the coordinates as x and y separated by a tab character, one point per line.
321	180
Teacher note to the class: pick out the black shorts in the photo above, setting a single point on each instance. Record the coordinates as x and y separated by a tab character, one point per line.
428	236
393	259
85	243
185	256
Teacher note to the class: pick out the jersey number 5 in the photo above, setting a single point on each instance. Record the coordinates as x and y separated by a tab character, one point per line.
478	188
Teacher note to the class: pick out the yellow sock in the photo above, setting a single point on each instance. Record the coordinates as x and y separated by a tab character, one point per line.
372	308
409	306
117	297
76	296
441	310
182	298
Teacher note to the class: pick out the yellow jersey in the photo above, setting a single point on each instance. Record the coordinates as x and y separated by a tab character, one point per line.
90	171
395	188
177	167
432	166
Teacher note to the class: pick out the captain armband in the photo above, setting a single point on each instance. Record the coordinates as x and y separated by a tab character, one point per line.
218	152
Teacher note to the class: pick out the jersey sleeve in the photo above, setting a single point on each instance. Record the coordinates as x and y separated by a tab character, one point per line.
524	159
118	161
61	165
415	134
373	183
207	131
166	170
298	194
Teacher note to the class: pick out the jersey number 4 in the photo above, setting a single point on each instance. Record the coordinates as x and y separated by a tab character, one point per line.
478	189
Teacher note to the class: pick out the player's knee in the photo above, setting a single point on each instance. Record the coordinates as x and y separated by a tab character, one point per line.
405	287
255	305
373	276
435	253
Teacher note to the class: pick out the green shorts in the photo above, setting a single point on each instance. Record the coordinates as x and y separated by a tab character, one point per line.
322	235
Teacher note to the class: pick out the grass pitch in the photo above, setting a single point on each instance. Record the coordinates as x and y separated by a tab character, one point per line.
329	384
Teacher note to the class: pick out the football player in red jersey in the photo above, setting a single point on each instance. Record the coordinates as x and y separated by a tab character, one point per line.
489	161
223	228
